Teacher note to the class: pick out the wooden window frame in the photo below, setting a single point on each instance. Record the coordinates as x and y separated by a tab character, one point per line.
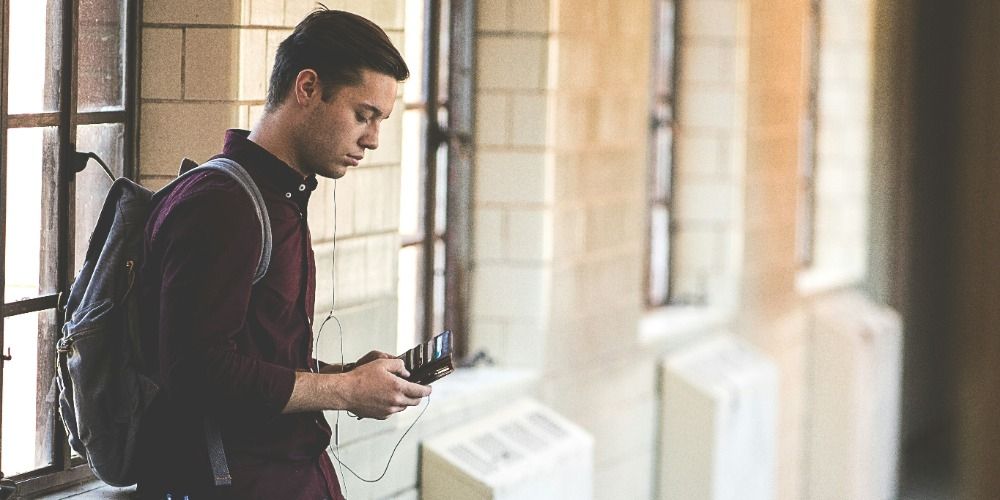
59	197
452	94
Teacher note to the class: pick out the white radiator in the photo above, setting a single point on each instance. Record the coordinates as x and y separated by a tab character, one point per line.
854	398
718	422
524	452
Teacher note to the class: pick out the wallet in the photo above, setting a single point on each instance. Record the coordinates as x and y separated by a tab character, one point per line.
431	360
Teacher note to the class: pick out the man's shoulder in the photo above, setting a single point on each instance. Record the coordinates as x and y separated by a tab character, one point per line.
203	196
205	185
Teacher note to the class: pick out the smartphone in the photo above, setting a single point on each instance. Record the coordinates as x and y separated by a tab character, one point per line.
431	360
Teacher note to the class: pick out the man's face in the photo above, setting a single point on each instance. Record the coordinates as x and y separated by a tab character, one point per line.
336	133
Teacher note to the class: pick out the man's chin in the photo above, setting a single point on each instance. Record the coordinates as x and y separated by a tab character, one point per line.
337	171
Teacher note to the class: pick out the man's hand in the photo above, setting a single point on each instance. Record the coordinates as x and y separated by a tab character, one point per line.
374	389
377	387
371	356
367	358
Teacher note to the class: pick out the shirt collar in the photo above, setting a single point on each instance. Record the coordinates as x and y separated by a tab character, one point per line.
268	170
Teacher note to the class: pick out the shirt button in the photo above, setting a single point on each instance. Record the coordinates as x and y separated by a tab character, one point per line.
302	187
288	195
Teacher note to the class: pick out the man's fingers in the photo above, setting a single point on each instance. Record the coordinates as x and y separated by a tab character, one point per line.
407	401
396	366
415	391
372	356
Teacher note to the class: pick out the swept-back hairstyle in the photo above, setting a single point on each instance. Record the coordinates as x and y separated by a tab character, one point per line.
337	45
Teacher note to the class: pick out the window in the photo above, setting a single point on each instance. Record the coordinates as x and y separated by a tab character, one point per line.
68	86
835	173
434	188
659	273
806	219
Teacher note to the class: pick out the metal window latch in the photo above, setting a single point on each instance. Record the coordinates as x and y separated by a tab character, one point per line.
7	357
80	162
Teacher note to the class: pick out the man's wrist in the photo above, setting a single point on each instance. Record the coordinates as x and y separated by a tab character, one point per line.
336	388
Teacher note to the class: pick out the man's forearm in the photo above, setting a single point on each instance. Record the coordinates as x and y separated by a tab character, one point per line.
376	389
316	392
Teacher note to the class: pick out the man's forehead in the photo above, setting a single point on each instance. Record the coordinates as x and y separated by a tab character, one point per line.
375	91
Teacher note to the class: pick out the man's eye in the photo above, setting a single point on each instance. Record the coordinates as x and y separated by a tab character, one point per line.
360	117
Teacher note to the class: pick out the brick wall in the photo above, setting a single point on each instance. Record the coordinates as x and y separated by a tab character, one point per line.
511	216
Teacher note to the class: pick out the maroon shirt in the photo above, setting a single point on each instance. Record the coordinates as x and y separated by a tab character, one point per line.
219	344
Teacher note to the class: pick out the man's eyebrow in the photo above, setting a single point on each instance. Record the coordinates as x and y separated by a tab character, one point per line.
374	109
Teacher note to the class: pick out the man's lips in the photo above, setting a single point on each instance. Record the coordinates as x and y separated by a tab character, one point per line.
354	160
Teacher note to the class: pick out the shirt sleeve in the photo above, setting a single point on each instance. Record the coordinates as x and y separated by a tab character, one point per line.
210	243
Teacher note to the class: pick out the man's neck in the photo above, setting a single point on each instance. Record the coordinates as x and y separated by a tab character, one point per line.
275	139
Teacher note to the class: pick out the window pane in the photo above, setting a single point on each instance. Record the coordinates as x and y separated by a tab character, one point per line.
663	77
662	163
26	154
444	53
32	87
439	302
659	255
413	51
92	184
102	49
411	194
409	264
20	396
441	193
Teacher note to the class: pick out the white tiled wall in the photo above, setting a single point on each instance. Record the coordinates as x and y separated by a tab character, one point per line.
512	226
559	214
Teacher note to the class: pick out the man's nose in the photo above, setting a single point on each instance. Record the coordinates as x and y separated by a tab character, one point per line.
370	139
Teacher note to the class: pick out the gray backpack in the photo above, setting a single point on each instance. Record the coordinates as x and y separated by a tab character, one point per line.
103	387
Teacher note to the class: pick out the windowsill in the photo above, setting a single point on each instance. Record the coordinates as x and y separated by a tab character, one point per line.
818	280
90	489
458	393
675	324
465	388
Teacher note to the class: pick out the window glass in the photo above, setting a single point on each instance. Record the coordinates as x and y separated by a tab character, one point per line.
32	87
659	276
101	55
437	324
25	165
106	140
659	250
20	396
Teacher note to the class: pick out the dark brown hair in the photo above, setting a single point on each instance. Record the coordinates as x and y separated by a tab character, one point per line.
337	45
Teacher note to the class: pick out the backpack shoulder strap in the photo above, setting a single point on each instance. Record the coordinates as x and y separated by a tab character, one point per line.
216	451
246	182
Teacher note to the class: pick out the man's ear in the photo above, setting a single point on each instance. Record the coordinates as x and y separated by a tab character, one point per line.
307	87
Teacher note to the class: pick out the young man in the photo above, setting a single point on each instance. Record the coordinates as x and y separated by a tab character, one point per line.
241	352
